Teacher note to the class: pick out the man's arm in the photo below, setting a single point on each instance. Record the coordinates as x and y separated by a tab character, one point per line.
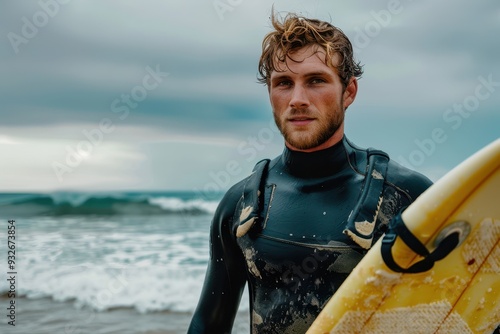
226	275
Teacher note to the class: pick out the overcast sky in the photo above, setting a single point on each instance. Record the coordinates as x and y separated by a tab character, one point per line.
163	95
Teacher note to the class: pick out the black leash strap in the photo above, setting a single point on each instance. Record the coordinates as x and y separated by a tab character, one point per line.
399	229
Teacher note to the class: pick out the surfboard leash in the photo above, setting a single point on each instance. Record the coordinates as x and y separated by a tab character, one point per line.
397	228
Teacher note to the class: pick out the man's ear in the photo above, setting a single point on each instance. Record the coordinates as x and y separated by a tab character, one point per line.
350	92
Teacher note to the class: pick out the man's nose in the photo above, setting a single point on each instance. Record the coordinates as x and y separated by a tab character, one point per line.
299	97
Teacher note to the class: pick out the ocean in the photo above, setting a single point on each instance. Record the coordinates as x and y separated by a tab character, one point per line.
123	262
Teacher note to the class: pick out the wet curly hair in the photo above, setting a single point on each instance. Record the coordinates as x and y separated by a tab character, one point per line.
295	32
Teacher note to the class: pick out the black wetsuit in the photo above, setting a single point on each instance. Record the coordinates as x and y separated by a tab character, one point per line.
296	255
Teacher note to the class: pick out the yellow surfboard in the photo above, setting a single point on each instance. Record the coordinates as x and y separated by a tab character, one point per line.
461	292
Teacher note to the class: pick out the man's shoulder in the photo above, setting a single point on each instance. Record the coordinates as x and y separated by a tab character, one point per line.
229	201
247	187
406	179
234	193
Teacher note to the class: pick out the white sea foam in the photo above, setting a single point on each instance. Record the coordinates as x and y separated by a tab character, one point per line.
178	205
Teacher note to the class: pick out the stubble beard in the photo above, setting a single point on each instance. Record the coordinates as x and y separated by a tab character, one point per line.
315	134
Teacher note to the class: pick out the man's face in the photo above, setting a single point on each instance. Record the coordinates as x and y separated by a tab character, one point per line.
309	100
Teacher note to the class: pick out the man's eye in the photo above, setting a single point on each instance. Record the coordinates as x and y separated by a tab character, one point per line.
284	83
317	80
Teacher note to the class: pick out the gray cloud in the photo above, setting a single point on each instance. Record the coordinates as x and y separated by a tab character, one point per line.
90	53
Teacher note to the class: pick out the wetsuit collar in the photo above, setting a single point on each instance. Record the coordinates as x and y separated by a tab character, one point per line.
315	164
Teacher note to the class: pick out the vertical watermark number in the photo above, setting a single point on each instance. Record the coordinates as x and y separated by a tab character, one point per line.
11	272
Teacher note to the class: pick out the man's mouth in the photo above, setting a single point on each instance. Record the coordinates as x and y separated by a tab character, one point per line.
300	120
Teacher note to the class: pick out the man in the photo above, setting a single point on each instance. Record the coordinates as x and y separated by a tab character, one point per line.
292	229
